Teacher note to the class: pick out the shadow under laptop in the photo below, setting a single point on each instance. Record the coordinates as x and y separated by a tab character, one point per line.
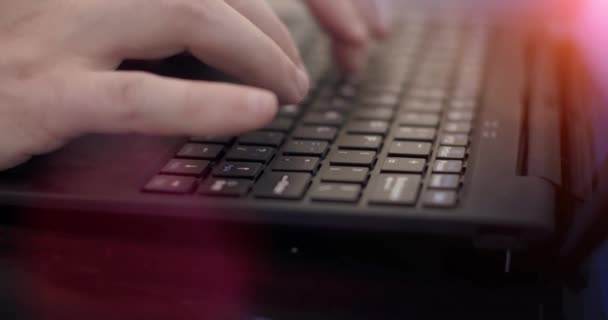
75	265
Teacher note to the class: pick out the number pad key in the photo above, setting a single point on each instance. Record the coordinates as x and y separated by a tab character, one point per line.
244	170
395	189
416	134
333	192
225	187
306	148
295	164
170	184
287	186
440	199
404	165
444	181
419	119
345	174
448	166
410	149
457	127
201	151
250	153
186	167
455	153
352	158
455	140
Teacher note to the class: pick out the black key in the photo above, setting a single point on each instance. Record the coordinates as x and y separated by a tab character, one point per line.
262	138
315	133
290	111
201	151
395	189
460	116
295	164
380	99
186	167
170	184
280	124
225	187
250	153
416	134
404	165
345	174
327	118
287	186
444	181
360	142
455	153
245	170
440	199
419	119
382	114
333	192
213	140
455	140
457	127
447	166
352	158
410	149
368	127
417	105
306	148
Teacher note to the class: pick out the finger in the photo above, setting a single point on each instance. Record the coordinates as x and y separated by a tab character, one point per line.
121	102
215	33
341	20
377	16
351	59
263	16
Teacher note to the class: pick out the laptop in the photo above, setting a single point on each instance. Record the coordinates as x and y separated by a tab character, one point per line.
465	126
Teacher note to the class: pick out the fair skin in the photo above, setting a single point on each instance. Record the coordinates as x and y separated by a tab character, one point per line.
58	66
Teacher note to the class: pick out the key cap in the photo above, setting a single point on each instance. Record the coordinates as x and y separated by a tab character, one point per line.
422	93
360	142
262	138
345	174
201	151
225	187
447	166
306	148
415	134
332	192
454	153
404	165
250	153
186	167
410	149
170	184
352	158
457	127
444	181
418	119
368	127
327	118
286	186
295	164
245	170
416	105
315	133
280	124
460	116
463	104
395	189
290	111
440	199
380	99
455	140
213	140
382	114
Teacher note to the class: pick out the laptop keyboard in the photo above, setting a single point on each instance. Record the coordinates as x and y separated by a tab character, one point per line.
399	134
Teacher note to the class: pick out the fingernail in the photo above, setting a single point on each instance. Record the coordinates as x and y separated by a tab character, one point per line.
303	83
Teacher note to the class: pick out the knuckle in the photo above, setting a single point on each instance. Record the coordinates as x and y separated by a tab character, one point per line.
190	10
127	94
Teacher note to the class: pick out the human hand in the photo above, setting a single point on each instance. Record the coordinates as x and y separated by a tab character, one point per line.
352	24
58	77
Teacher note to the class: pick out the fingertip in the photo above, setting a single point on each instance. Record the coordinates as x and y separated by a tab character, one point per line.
262	105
